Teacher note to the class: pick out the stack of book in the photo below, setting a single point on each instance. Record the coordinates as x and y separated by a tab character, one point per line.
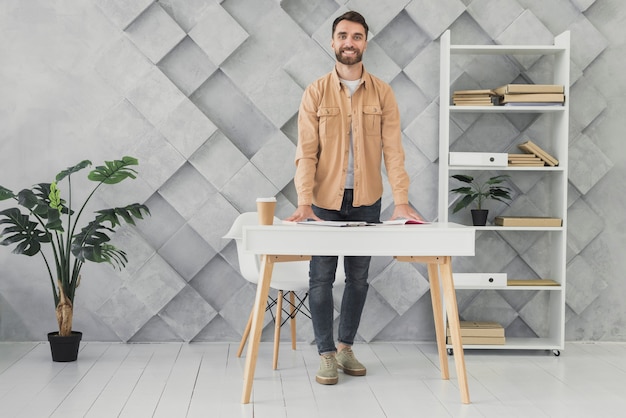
530	94
540	221
531	148
525	160
473	98
532	282
473	332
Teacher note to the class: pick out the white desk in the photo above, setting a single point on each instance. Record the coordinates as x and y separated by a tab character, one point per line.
433	244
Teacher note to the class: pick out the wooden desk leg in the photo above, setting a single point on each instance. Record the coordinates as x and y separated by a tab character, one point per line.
277	322
440	332
455	326
262	291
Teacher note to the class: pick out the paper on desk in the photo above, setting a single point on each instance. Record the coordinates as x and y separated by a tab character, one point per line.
405	222
358	223
337	223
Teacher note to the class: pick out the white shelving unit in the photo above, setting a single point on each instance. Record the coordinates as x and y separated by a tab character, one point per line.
555	140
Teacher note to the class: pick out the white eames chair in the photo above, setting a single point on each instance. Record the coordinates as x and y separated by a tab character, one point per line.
290	279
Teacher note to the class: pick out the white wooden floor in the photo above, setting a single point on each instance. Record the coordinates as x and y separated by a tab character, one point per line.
403	380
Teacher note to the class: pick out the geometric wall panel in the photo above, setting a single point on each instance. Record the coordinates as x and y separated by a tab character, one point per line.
155	33
187	66
205	94
217	34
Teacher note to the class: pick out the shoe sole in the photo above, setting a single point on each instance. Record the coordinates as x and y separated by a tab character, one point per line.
353	372
326	380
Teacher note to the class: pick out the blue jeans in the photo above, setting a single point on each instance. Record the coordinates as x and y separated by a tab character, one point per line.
322	276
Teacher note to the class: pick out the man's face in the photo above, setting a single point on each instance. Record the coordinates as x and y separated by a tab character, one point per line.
349	42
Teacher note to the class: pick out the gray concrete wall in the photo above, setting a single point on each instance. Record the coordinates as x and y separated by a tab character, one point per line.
205	94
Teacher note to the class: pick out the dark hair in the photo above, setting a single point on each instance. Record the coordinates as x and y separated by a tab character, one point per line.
352	16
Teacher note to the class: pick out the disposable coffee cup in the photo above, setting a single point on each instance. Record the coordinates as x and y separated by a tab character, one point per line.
265	207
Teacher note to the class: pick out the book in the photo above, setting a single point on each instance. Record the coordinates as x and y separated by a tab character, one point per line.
527	221
533	104
524	156
457	95
474	104
533	98
333	223
529	88
403	221
532	282
479	329
524	160
474	92
532	148
526	164
479	340
471	99
482	97
357	223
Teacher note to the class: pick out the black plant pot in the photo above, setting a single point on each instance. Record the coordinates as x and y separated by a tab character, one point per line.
64	348
479	217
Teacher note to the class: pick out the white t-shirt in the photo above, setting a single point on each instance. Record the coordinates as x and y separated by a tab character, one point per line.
352	85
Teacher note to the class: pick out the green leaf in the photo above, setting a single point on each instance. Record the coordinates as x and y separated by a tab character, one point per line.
37	199
55	197
115	171
464	178
463	190
55	223
6	193
463	203
92	242
31	201
22	231
497	179
71	170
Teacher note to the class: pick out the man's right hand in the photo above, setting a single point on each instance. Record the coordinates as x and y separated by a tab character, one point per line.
302	213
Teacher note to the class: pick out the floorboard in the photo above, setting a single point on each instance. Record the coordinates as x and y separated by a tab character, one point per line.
403	379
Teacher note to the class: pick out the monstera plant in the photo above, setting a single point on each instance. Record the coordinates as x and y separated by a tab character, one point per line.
45	222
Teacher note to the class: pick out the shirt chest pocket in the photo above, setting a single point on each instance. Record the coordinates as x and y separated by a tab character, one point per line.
329	122
372	117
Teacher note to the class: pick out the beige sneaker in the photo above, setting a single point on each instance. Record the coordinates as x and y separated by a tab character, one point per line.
349	364
327	373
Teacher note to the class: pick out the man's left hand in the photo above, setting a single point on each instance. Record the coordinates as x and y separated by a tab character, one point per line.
405	212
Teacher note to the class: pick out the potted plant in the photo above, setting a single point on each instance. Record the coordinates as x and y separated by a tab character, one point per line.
477	192
44	223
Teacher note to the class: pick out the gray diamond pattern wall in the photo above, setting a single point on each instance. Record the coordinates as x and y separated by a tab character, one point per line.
205	94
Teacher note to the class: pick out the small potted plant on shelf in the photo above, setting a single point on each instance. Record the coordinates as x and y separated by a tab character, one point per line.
477	192
45	223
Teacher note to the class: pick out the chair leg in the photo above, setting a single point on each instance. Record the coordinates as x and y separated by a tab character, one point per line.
292	313
246	333
277	323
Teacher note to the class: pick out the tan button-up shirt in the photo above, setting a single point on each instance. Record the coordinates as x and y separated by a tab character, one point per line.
326	113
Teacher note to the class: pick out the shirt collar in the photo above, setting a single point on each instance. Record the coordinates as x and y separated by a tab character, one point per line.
365	77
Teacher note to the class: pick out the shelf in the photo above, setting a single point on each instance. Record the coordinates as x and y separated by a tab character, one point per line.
506	109
518	344
483	287
503	168
551	134
506	49
519	228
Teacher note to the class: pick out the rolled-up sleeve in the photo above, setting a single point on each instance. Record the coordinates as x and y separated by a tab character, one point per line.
307	148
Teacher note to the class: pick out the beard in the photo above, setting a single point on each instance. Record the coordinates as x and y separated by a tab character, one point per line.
349	60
